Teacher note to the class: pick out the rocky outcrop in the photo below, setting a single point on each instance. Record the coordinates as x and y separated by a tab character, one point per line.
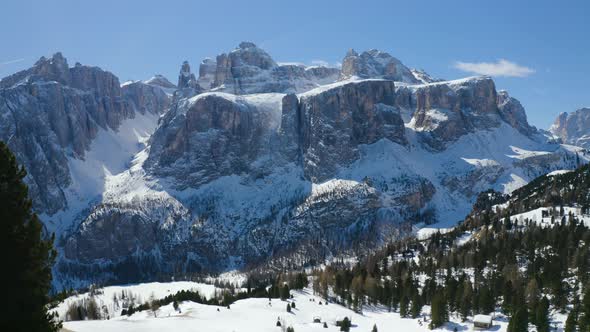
52	112
161	81
207	70
448	110
147	97
186	79
512	112
209	136
249	69
333	122
573	128
375	64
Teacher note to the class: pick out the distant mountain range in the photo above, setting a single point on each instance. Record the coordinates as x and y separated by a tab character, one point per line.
253	162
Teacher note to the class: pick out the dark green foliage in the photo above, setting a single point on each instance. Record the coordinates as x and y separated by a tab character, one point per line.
300	281
542	315
403	306
344	324
519	321
285	292
416	307
288	307
584	319
515	263
27	255
571	321
439	311
374	328
290	329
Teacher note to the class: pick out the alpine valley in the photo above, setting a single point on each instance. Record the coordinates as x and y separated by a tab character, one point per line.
253	163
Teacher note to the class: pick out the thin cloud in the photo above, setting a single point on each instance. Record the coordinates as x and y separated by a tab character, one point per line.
324	63
12	61
320	63
501	67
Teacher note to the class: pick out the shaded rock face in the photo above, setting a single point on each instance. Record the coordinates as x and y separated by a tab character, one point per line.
512	112
146	98
215	134
375	64
209	136
186	79
51	112
445	112
573	128
333	123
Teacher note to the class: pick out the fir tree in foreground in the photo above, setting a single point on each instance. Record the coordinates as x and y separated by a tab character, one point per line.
26	255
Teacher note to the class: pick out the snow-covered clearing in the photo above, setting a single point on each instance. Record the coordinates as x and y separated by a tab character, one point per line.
140	292
542	216
258	315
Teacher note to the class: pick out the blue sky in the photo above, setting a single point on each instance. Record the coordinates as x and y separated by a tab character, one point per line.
544	43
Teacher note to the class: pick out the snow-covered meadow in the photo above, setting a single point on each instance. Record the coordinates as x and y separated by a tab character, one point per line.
260	315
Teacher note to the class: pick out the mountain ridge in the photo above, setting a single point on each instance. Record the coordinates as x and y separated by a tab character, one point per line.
231	179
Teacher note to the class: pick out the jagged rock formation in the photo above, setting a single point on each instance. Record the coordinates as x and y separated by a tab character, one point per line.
161	81
573	128
207	70
444	111
249	69
513	113
52	112
375	63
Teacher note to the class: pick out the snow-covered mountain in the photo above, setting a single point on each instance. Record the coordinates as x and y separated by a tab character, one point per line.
254	160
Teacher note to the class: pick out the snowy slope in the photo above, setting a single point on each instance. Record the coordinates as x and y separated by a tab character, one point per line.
258	315
110	153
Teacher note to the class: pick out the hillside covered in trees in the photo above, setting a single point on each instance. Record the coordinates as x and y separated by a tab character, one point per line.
529	270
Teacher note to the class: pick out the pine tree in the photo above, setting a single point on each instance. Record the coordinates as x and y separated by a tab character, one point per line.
584	320
288	307
570	322
403	306
416	307
439	311
519	322
465	303
374	328
27	256
284	292
542	315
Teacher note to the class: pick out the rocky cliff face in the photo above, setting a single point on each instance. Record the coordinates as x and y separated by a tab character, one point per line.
52	112
573	128
444	111
334	122
212	135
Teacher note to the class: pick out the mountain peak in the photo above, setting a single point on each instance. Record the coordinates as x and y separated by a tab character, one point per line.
375	64
573	128
247	44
